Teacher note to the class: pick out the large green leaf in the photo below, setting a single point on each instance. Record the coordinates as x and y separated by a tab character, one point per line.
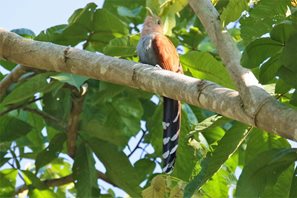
8	182
12	128
283	31
205	66
233	11
36	193
261	18
214	160
106	27
281	188
288	76
289	54
84	172
122	47
32	86
51	152
57	104
269	69
263	171
118	167
259	50
293	190
260	141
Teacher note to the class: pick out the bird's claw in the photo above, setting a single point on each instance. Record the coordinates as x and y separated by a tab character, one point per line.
158	66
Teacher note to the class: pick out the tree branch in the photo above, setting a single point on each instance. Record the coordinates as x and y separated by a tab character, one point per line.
61	181
11	78
18	106
73	121
251	92
46	116
271	116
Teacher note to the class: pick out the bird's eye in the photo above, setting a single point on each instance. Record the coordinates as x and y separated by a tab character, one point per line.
159	22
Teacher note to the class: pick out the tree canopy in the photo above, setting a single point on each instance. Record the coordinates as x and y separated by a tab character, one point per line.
56	127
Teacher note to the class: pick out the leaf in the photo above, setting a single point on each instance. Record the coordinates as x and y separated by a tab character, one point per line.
164	186
288	76
293	190
71	79
261	18
214	160
12	128
184	153
84	172
8	182
106	27
36	193
7	65
260	141
32	86
203	65
57	104
118	167
233	11
122	47
289	54
156	189
83	16
263	171
282	186
31	179
259	50
269	69
51	152
126	12
281	87
283	31
24	32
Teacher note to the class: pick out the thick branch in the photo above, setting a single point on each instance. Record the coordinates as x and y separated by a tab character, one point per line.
272	116
251	92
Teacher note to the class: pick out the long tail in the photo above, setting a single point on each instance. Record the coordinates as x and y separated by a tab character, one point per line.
171	127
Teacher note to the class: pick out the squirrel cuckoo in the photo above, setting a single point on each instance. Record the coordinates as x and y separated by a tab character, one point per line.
156	49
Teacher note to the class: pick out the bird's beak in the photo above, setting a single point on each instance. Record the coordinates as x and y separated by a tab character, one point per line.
150	12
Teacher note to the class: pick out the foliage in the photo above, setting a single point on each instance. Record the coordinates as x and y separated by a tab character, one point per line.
119	128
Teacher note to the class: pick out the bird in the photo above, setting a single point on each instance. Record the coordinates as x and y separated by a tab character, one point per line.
156	49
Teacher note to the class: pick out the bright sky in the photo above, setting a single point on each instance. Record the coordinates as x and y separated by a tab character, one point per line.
38	15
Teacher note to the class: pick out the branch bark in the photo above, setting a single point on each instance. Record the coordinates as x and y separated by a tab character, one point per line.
251	92
271	115
77	98
11	78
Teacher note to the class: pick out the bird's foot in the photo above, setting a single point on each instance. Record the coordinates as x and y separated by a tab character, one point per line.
158	66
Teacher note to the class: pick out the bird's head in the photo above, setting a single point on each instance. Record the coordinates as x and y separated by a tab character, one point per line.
152	24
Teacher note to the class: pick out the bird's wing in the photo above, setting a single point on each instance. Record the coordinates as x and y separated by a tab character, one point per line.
166	53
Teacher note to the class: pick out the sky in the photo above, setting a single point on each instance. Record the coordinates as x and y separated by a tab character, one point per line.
38	15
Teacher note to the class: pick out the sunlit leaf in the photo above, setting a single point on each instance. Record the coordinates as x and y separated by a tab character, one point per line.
263	171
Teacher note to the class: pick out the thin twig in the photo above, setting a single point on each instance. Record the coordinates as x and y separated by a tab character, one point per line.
19	106
138	143
46	116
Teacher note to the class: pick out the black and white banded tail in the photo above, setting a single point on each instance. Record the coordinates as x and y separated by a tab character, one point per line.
171	127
